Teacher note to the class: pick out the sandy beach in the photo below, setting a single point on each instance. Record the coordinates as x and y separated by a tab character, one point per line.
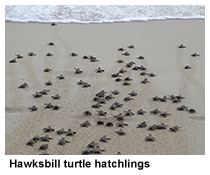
156	41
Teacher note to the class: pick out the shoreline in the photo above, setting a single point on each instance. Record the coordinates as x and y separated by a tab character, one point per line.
156	40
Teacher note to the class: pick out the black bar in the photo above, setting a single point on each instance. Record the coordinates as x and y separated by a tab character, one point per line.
79	164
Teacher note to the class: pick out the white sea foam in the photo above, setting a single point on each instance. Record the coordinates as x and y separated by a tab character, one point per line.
100	13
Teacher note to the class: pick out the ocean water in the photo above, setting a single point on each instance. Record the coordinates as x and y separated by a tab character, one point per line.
101	13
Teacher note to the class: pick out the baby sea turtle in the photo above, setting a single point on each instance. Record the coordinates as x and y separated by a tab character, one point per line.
195	55
78	71
120	132
109	97
119	116
118	153
33	108
92	144
48	105
44	92
181	46
48	83
156	111
81	82
87	113
140	57
45	138
176	100
62	142
100	122
132	94
18	56
104	139
141	112
99	70
101	101
117	104
174	129
121	124
164	114
48	129
31	54
13	61
128	98
145	81
101	113
152	127
130	64
53	24
113	107
116	75
49	54
43	147
86	85
187	67
151	75
161	126
85	57
85	124
128	79
93	59
149	138
163	99
97	105
142	125
37	94
130	46
121	49
122	71
70	132
50	44
120	61
36	138
115	92
57	96
136	68
60	77
128	113
143	73
56	107
109	124
191	110
125	83
97	150
182	108
142	68
101	93
73	54
30	142
156	98
118	79
23	86
125	53
87	151
61	131
47	70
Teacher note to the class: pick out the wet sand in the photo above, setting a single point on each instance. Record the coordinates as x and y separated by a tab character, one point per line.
157	41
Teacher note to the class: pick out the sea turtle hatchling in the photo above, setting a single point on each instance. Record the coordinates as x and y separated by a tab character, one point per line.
130	46
161	126
80	82
128	79
43	147
120	61
143	73
128	98
99	70
113	107
87	151
45	138
23	86
44	92
53	24
55	97
156	111
164	114
56	107
92	144
125	83
116	75
47	70
78	71
31	54
13	61
70	132
61	131
97	105
97	150
85	124
85	85
62	142
33	108
141	112
151	74
73	54
101	113
37	94
18	56
133	93
174	129
117	104
187	67
93	59
156	98
191	110
128	113
60	77
49	54
36	138
121	124
149	138
101	93
182	108
48	83
119	116
136	68
142	68
87	112
163	99
121	49
104	139
181	46
130	64
30	142
140	57
48	105
118	79
145	81
195	55
126	53
109	97
51	44
122	71
152	127
115	92
120	132
142	125
109	124
100	122
48	129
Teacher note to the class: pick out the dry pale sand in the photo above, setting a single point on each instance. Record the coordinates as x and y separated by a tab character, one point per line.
157	41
